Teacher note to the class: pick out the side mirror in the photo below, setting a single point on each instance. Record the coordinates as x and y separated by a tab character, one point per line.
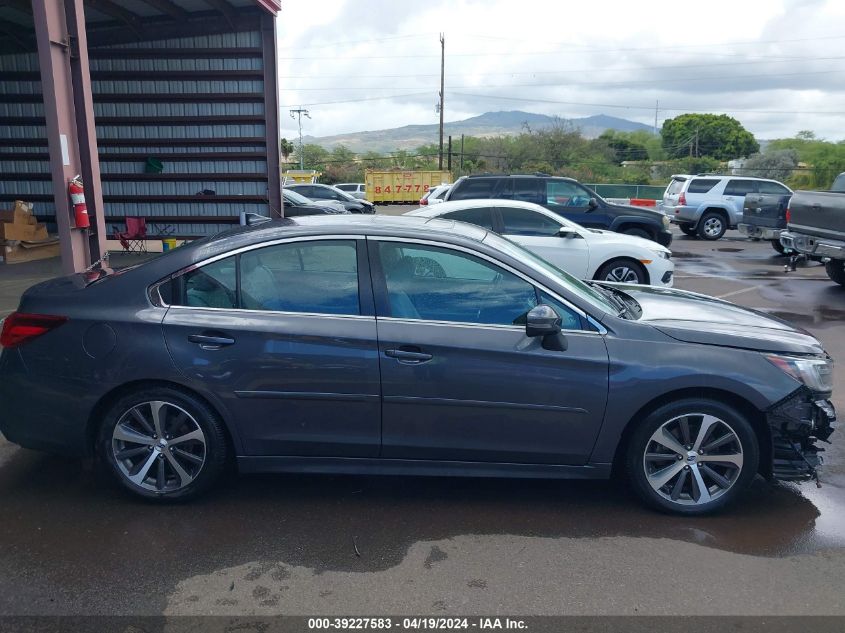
542	320
568	233
592	205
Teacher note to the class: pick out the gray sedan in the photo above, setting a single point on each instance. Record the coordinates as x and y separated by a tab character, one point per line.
367	344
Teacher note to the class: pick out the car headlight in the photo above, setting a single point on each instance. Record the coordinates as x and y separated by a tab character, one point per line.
816	373
666	221
662	254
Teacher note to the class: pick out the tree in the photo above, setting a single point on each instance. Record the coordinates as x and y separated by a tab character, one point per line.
314	156
286	148
624	146
777	164
714	135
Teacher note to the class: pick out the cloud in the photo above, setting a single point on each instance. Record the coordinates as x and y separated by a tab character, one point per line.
776	65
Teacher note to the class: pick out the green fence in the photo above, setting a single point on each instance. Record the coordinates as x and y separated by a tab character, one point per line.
649	192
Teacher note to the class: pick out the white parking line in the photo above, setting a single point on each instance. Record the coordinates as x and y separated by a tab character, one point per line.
736	292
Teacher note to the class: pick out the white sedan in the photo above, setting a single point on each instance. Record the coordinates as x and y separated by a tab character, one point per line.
582	252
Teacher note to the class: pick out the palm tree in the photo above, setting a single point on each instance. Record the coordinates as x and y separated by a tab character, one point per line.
286	148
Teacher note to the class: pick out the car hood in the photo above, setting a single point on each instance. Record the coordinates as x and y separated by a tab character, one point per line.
639	211
695	318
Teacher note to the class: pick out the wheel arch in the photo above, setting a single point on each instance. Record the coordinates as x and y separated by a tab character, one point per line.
623	222
755	416
109	398
621	258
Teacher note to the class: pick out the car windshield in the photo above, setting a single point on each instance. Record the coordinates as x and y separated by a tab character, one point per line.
574	285
296	198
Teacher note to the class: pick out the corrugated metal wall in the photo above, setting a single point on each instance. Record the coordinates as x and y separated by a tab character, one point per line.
193	104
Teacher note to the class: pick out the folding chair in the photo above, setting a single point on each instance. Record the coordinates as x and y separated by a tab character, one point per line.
134	238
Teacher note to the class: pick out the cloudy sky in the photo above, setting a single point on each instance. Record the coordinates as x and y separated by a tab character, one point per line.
776	65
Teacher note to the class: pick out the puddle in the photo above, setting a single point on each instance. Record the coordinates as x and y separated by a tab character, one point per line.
729	250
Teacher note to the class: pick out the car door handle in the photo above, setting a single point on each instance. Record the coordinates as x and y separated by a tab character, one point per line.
210	341
408	356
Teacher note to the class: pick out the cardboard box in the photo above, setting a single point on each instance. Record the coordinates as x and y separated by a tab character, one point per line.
31	251
12	231
20	214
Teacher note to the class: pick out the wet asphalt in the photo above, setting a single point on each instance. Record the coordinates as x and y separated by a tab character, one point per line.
73	543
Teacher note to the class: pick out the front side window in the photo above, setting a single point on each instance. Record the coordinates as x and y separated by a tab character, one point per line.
525	222
316	277
740	187
438	284
563	193
772	188
346	187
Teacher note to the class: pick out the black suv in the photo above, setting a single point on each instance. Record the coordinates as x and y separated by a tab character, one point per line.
569	199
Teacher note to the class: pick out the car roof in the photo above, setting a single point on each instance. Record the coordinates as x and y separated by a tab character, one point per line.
460	205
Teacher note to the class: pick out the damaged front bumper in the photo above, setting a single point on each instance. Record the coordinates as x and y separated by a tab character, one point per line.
797	423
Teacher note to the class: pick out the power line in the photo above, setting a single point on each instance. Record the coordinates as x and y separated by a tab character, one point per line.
378	98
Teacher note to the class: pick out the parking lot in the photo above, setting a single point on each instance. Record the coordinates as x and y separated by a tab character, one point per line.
72	543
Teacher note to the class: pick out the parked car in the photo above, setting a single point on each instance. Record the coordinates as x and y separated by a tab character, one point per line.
406	345
434	195
319	192
816	227
584	253
296	205
569	199
708	205
764	217
354	189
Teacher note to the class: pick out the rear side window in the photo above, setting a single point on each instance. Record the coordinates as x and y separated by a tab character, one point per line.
701	185
839	184
319	277
527	189
526	222
474	188
346	187
740	187
772	187
480	217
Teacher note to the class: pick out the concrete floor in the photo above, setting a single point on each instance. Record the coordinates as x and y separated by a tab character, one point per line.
72	543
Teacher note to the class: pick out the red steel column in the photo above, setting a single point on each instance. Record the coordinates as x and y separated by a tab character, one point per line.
56	44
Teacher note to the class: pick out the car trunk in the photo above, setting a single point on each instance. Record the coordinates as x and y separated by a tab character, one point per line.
823	211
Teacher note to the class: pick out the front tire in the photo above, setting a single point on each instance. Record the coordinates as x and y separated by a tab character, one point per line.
692	457
163	443
688	229
778	246
712	226
835	269
638	233
623	271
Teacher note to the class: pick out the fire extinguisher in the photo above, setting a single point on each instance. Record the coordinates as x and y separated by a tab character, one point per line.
77	199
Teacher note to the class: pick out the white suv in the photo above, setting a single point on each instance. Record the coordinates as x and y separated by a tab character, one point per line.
708	205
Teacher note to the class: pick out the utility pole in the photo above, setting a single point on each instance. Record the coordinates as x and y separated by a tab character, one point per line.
449	162
298	114
442	84
656	107
462	154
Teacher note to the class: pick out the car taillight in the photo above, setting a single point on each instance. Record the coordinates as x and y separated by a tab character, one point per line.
20	328
788	215
682	199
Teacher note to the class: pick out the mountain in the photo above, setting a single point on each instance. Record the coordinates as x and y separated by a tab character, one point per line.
506	123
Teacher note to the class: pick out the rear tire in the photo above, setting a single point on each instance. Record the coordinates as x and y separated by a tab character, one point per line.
835	269
163	443
688	229
778	246
623	271
712	226
691	457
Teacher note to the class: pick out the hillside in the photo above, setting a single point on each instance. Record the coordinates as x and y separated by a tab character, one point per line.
504	123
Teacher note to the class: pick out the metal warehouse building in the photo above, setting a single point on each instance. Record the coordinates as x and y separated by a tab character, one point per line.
167	108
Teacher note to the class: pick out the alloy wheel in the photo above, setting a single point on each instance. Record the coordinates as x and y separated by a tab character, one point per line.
622	273
713	226
693	459
159	446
